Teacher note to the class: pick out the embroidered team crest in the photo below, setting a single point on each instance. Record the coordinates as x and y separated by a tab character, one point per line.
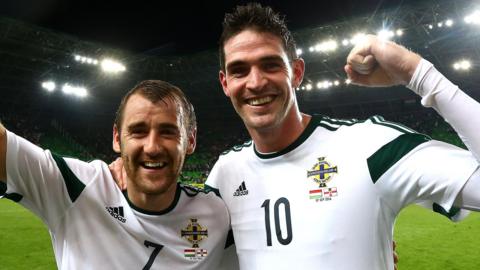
321	173
194	233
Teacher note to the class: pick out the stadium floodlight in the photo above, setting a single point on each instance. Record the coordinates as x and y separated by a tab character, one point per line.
49	86
348	81
299	52
462	65
311	49
308	87
440	24
303	88
74	90
326	46
430	26
324	84
473	18
449	23
85	60
345	42
112	66
385	34
399	32
358	38
336	83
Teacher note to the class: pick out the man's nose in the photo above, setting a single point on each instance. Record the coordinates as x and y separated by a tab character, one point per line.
153	144
256	79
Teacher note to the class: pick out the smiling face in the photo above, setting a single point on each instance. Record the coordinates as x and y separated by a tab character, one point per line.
260	80
153	143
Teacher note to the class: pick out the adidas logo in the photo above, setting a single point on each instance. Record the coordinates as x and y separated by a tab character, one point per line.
241	190
116	212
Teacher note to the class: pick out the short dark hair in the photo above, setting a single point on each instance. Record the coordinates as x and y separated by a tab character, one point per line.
256	17
157	90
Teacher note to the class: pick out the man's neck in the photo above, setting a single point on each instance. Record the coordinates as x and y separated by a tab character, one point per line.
152	202
278	138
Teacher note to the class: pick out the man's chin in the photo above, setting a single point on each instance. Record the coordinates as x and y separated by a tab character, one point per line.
263	122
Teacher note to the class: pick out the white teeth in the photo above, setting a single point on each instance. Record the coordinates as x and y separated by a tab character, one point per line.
260	101
154	164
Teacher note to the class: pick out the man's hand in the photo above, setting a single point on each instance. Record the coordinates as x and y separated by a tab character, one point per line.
380	63
118	173
395	255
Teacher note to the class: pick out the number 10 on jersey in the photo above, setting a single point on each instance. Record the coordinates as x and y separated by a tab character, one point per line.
278	231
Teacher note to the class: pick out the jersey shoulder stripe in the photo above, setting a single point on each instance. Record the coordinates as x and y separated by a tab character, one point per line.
379	120
390	153
237	148
73	184
208	188
333	124
191	191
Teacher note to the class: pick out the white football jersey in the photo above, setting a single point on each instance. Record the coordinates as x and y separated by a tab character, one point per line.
93	225
330	199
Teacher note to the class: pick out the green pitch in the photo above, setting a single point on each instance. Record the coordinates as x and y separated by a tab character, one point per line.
425	240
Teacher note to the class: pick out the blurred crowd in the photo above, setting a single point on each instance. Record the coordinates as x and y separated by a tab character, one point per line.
211	142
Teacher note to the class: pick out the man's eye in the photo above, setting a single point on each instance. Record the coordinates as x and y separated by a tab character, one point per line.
238	72
169	132
272	66
138	133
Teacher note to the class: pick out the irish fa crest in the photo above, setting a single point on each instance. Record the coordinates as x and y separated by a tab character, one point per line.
194	233
321	173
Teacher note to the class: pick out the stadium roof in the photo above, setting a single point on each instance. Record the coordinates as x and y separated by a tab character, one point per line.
42	45
167	27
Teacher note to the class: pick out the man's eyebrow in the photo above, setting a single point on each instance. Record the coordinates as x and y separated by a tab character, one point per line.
268	58
135	125
168	126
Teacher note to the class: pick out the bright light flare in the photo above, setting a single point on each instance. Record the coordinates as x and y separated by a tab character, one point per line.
358	38
49	86
449	23
326	46
299	52
74	90
385	34
308	87
462	65
473	18
112	66
324	84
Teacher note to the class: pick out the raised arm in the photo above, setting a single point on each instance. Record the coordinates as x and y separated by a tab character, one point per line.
3	153
378	63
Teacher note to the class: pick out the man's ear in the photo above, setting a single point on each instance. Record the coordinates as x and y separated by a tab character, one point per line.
222	77
116	139
298	70
191	141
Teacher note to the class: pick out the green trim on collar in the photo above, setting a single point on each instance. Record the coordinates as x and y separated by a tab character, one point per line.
302	138
156	213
